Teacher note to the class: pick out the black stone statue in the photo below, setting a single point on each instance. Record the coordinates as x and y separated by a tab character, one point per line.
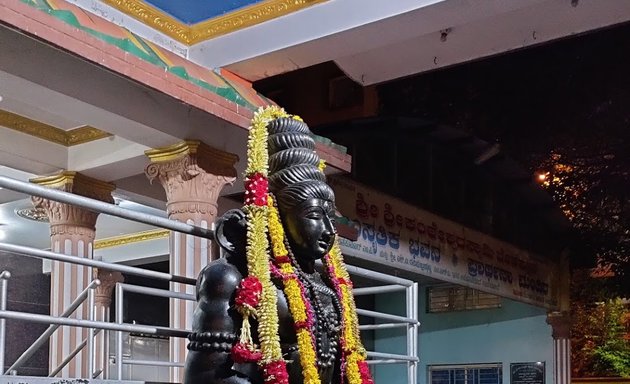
306	204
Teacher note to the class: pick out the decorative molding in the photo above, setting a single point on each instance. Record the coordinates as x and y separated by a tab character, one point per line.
103	292
187	148
230	22
48	132
154	18
64	218
192	174
84	134
136	237
79	184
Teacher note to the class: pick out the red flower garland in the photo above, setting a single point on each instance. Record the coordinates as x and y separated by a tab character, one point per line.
364	370
256	187
276	372
248	293
241	353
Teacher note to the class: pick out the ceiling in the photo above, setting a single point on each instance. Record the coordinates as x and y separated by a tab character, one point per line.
372	41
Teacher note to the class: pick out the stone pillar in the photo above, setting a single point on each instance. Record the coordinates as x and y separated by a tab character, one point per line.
561	331
102	304
192	175
72	231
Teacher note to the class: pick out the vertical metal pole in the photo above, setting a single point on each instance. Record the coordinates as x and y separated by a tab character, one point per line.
90	335
410	327
416	326
119	334
4	276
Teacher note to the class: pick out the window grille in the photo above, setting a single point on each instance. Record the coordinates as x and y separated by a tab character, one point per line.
449	298
466	374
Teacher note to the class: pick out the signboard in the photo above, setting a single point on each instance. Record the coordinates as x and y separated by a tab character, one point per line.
527	373
402	236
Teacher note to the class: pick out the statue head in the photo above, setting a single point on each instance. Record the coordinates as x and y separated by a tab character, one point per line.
283	168
305	202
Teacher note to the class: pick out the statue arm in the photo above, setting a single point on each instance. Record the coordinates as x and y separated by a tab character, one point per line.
215	327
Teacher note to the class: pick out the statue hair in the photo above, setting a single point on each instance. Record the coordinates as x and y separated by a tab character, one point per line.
294	175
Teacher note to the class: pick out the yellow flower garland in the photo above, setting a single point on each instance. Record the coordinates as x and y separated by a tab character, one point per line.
257	243
293	292
353	347
264	220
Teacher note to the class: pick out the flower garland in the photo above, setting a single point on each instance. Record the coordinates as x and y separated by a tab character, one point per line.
256	295
256	192
294	290
354	354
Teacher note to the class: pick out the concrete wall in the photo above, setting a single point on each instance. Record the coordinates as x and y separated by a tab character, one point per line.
516	332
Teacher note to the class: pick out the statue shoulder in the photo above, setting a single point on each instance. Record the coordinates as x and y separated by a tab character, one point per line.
217	280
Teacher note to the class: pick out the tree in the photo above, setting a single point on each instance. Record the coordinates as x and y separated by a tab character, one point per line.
600	332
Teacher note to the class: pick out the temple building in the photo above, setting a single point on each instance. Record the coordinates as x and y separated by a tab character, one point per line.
460	259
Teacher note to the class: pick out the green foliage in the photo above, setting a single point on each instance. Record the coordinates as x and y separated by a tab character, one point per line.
600	332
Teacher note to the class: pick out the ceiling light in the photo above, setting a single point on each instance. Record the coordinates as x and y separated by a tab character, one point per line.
35	214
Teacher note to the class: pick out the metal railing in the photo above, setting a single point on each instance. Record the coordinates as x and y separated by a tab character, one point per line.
43	338
103	207
392	284
4	277
119	294
409	322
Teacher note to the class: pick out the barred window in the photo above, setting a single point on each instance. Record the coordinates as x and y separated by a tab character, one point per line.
449	298
466	374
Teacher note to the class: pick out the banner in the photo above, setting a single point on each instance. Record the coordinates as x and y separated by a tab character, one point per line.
404	237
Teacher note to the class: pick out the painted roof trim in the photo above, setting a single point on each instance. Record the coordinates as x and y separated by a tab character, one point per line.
237	92
191	34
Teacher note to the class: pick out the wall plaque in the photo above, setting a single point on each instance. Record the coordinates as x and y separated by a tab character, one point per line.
527	373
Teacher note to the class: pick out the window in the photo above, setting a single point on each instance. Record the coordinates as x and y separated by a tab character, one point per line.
466	374
449	298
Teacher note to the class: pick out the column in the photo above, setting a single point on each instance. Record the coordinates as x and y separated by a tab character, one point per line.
192	175
102	304
561	331
72	231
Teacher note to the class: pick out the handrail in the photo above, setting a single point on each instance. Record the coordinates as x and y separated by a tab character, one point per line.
41	254
103	207
392	356
72	354
379	289
386	316
37	318
4	276
156	363
371	327
68	358
90	336
119	292
43	338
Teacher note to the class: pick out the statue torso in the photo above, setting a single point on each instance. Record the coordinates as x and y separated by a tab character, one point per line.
215	314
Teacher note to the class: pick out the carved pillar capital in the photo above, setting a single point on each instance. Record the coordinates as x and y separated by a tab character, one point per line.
103	293
192	174
560	324
65	218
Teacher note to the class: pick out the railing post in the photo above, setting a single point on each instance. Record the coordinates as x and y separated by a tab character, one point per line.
412	332
90	335
119	334
4	280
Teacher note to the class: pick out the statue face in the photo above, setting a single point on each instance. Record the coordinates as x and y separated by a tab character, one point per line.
309	228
